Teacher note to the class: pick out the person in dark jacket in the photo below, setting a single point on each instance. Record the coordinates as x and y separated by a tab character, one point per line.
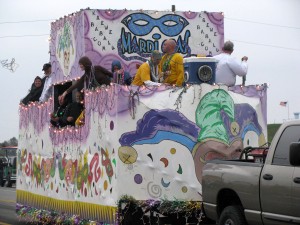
119	75
59	112
93	76
35	91
72	111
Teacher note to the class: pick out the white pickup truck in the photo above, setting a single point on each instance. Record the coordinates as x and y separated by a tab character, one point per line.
254	192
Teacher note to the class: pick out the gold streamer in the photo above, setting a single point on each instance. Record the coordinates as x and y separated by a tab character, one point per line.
83	209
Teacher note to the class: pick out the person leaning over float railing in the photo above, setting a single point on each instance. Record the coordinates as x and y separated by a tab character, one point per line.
35	91
149	73
47	83
93	76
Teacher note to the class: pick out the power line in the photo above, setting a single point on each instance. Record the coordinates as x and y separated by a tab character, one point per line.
248	21
268	24
273	46
26	35
242	20
27	21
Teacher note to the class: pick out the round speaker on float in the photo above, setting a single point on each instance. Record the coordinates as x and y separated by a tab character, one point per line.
199	70
205	73
186	76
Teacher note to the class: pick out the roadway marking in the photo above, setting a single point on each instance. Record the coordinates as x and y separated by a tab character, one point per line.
2	223
7	201
9	190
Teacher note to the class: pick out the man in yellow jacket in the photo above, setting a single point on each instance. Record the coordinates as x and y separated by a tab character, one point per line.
149	72
172	64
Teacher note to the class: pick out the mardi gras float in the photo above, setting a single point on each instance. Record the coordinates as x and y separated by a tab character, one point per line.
139	155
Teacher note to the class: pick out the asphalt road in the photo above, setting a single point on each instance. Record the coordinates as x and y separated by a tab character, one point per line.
7	207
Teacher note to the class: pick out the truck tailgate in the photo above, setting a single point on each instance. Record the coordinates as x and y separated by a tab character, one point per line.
238	176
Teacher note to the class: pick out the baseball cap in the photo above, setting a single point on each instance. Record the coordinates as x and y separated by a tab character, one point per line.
46	66
156	54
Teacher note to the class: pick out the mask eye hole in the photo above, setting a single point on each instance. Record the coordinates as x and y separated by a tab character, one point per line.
141	22
170	23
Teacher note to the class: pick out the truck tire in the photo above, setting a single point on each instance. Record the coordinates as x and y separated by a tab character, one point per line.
2	182
8	181
232	215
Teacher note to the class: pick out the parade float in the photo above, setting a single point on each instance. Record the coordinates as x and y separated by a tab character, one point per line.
138	157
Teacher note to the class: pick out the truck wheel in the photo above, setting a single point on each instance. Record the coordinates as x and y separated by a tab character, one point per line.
232	215
2	182
8	181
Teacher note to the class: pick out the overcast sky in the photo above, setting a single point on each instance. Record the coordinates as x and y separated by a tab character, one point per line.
267	31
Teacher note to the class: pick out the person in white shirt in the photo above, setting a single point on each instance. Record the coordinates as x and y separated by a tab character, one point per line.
47	91
228	67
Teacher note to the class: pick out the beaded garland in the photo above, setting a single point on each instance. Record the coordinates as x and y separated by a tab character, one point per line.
166	64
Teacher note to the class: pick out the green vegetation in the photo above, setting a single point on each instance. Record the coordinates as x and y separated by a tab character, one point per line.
11	142
272	128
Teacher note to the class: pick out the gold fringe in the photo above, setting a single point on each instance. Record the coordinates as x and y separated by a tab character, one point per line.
83	209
